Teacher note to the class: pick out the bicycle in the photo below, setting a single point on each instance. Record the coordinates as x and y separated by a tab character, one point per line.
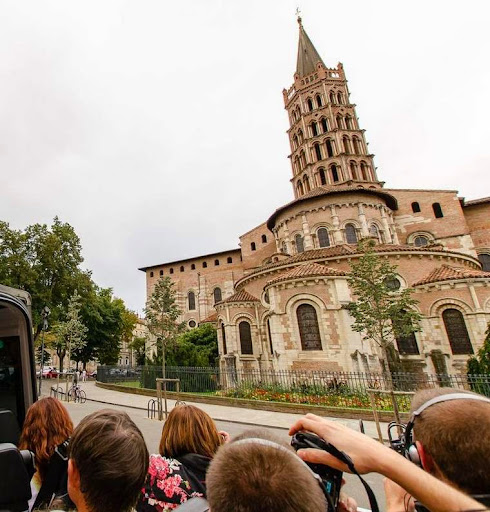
77	394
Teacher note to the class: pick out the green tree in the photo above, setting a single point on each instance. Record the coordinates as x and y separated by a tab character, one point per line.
47	356
381	313
480	364
138	344
196	347
45	261
70	335
161	313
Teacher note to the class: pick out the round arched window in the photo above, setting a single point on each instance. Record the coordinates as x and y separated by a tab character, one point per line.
392	283
192	324
420	241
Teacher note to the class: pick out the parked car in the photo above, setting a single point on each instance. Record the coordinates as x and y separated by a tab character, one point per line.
93	374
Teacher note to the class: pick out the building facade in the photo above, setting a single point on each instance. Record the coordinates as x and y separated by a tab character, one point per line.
278	301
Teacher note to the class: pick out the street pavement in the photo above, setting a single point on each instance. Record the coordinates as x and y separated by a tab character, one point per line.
233	420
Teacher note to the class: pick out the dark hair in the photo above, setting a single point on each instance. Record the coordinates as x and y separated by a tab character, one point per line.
455	435
111	456
46	426
189	429
252	477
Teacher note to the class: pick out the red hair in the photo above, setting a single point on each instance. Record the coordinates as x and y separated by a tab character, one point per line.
46	426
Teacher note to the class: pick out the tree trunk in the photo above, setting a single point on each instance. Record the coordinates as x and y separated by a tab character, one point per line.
163	360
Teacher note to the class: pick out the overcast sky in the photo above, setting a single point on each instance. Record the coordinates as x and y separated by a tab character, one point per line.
157	129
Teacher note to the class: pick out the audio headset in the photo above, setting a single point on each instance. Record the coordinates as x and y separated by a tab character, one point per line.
409	448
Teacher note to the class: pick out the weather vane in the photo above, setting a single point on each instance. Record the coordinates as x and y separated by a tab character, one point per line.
298	14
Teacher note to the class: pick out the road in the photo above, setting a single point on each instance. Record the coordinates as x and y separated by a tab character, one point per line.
151	430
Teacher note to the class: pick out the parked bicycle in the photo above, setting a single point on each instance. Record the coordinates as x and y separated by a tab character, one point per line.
77	394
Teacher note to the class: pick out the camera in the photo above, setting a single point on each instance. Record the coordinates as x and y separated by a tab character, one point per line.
331	478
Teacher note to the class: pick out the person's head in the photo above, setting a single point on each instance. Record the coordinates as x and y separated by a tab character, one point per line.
108	462
247	476
47	425
189	429
452	439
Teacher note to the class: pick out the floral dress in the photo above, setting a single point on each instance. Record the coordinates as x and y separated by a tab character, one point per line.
171	482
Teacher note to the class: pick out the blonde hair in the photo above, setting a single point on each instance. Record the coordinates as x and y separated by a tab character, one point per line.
189	429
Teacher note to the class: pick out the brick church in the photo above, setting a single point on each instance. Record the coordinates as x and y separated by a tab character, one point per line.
277	300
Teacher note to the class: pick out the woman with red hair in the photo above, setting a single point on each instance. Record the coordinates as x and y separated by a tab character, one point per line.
47	425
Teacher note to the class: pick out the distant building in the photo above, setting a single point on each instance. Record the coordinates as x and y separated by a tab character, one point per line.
127	355
277	300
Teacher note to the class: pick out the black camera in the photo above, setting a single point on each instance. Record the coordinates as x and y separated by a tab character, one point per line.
331	478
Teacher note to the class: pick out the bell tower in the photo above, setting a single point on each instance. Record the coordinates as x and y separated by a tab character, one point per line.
327	146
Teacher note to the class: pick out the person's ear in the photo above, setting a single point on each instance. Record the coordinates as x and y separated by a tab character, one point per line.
425	457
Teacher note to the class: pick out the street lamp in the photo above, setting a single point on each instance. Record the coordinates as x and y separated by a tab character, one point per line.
44	315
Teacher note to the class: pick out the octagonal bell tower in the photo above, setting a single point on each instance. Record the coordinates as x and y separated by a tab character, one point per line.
328	148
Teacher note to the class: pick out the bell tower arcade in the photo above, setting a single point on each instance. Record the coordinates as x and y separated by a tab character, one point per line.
327	146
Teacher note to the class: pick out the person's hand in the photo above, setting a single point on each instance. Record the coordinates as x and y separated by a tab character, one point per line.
364	451
397	498
225	437
346	503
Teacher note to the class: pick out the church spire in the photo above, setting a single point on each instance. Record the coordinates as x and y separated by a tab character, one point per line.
308	57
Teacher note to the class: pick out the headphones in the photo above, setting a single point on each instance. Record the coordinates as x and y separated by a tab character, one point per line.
409	448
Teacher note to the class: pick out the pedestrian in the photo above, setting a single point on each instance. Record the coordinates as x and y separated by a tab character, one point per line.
84	375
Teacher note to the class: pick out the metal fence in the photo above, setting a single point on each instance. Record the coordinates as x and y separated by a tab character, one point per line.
339	389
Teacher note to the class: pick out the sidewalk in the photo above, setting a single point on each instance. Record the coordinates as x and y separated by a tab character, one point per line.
220	412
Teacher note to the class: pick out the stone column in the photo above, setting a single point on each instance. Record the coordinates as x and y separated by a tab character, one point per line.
386	226
307	234
362	220
336	234
289	247
276	238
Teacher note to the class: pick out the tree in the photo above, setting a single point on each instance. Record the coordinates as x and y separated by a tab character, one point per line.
161	313
381	313
197	347
138	344
47	356
480	364
70	334
45	261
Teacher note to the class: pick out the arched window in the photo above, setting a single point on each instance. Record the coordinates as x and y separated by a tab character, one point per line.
323	238
223	336
457	333
216	263
335	173
252	246
340	98
350	234
338	119
191	301
245	338
407	345
193	266
323	178
299	188
374	232
318	151
437	210
346	142
420	241
364	171
161	272
306	183
348	122
204	264
318	99
217	295
284	248
300	247
332	98
229	259
314	129
302	159
353	170
310	104
309	331
300	137
415	207
329	145
324	124
269	334
264	239
295	142
182	268
357	146
485	261
151	274
171	271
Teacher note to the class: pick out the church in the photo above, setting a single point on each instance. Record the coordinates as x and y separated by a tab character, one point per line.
278	300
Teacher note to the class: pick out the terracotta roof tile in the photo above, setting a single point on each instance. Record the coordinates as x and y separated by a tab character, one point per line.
449	273
477	201
306	270
241	296
210	319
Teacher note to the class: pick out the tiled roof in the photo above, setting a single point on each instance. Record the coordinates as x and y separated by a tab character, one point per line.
449	273
477	201
306	270
210	319
242	296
